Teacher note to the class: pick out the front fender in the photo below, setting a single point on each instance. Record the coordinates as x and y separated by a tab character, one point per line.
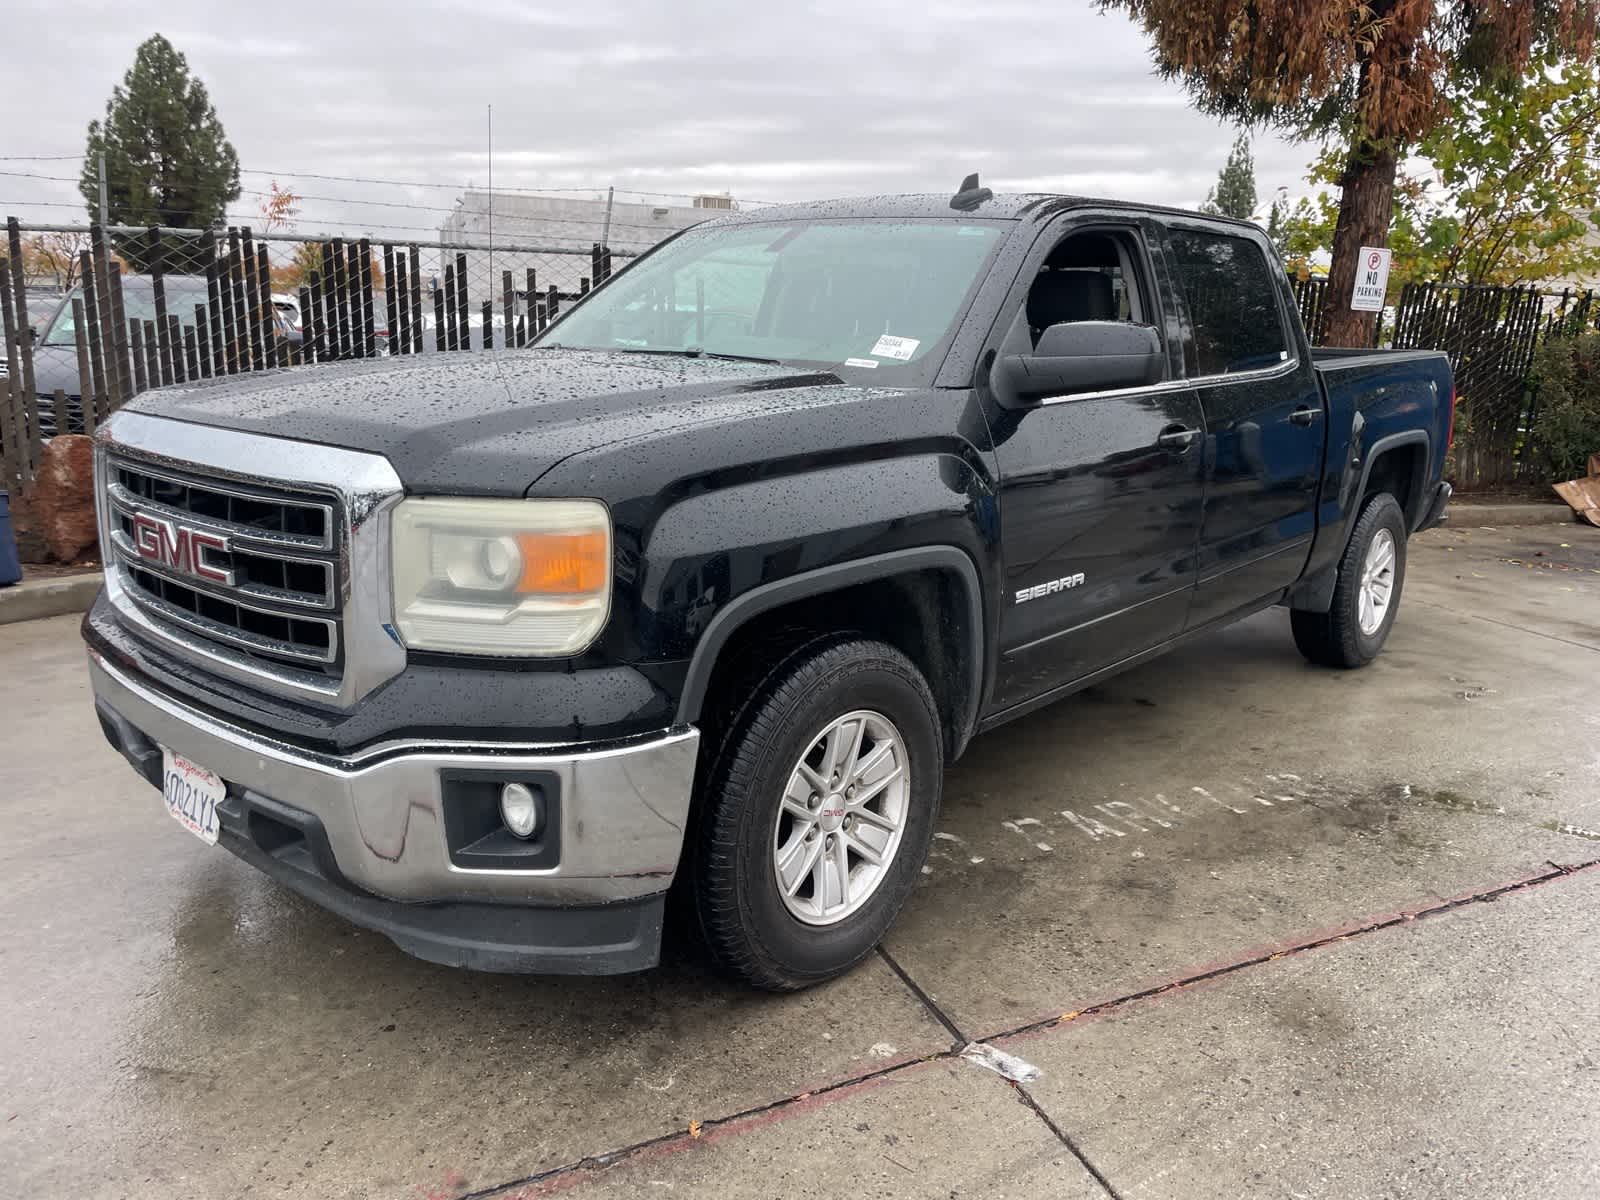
717	559
750	605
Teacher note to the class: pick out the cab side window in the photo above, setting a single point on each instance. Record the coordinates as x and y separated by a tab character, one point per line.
1086	278
1232	302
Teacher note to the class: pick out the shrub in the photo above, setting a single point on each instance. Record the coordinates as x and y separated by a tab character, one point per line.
1567	373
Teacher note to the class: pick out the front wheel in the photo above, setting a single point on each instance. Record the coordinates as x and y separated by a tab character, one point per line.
818	813
1367	596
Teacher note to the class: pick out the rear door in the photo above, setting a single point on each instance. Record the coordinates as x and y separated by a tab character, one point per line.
1100	492
1263	416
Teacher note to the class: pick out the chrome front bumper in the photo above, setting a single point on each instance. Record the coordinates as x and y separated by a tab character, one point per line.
623	809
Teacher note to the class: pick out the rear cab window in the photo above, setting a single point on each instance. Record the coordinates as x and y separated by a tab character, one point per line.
1232	300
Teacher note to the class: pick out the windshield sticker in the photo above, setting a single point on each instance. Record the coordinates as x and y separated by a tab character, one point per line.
901	348
861	362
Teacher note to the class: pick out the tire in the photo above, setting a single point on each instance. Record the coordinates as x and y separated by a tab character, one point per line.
1338	637
747	821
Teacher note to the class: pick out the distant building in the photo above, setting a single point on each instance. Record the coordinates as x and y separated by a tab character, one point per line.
1585	280
548	225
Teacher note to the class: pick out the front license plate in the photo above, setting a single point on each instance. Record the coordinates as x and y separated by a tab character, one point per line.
192	793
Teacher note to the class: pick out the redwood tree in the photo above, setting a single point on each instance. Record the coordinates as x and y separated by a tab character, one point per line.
1371	76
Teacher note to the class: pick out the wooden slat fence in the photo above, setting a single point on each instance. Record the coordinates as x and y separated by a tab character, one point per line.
241	301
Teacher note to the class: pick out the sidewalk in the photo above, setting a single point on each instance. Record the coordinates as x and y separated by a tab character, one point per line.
51	597
1479	513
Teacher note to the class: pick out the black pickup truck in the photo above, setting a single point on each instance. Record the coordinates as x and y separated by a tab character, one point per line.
695	599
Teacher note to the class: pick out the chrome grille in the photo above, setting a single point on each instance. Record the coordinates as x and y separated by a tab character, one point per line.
252	568
293	594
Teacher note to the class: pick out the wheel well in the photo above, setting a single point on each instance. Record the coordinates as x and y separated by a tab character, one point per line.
923	614
1399	471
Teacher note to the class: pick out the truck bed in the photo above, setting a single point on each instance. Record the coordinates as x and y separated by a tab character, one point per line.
1377	399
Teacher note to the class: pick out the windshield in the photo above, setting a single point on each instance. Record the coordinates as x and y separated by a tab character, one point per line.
865	294
139	303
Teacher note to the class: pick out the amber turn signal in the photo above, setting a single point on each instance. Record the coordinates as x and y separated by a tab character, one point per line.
563	563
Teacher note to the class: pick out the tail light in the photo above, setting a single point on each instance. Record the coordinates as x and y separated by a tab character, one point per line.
1450	433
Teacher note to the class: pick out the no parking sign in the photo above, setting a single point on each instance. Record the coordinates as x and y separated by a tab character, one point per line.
1372	280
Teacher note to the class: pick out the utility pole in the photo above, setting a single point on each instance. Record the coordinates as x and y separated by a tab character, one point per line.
605	231
491	202
103	206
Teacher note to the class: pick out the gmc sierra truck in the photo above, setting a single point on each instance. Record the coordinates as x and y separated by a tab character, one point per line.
701	593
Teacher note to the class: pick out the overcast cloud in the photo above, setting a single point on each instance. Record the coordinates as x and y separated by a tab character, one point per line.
765	101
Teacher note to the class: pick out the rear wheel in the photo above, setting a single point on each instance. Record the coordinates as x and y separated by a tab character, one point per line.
818	812
1367	596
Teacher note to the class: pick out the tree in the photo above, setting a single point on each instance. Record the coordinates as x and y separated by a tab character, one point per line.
303	268
1506	193
52	258
279	209
1235	193
1373	76
1520	180
168	161
1277	218
1419	235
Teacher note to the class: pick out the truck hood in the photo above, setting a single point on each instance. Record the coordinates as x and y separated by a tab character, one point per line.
483	424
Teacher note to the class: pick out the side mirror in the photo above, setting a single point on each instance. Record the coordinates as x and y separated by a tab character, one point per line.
1081	356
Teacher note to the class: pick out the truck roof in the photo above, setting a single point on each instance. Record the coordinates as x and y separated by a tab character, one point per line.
1005	206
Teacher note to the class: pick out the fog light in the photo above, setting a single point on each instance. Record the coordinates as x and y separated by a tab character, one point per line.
519	809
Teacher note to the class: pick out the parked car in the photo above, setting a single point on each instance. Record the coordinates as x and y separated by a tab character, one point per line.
288	306
42	304
55	352
709	586
55	349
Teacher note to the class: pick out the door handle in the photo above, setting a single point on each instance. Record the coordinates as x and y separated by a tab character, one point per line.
1177	437
1305	414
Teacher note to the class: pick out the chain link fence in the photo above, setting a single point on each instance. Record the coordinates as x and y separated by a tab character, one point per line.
157	306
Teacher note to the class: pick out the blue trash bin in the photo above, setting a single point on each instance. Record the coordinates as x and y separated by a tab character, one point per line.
10	567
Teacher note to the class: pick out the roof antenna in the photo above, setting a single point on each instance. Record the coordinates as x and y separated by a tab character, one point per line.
970	195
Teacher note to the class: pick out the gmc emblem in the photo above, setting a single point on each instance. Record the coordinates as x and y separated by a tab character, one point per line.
179	548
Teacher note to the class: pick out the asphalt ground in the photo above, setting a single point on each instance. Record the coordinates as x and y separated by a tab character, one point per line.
1259	929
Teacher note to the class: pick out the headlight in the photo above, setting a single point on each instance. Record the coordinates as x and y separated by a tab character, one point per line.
523	577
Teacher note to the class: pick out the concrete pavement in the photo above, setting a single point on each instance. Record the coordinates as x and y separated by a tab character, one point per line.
1218	860
1455	1055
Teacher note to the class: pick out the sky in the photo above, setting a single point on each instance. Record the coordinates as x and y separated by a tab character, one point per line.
770	102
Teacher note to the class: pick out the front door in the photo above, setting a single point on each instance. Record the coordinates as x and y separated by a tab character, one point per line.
1100	492
1264	421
